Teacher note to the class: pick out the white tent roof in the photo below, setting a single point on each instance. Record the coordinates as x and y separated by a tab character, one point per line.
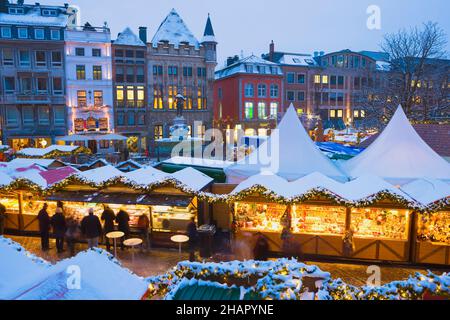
146	176
193	179
289	153
100	175
399	155
427	191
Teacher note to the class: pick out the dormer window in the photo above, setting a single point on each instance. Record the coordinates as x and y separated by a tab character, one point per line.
49	13
16	11
39	34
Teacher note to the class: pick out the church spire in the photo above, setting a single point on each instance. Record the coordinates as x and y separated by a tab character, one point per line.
208	35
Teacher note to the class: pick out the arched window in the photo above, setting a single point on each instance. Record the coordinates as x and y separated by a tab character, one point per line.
249	90
262	90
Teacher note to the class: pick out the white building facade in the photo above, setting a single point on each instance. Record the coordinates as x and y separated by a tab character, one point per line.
89	80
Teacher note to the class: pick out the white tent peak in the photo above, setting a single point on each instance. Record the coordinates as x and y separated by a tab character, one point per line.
398	155
289	152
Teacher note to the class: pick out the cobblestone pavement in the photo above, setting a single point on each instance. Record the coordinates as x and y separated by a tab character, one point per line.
158	261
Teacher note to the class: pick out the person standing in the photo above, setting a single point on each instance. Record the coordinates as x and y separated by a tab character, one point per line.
261	249
123	220
44	227
58	222
91	229
72	234
193	235
144	226
2	219
108	218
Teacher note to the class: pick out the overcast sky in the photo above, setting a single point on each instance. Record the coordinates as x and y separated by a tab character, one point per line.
249	25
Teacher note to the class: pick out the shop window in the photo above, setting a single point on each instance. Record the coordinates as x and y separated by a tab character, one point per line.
81	99
41	60
249	90
259	217
97	72
171	219
273	109
434	228
311	219
98	98
81	72
43	115
59	115
375	223
249	110
27	116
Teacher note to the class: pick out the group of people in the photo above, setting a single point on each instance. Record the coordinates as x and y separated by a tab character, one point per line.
70	230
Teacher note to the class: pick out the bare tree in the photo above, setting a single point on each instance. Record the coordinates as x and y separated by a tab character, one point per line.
418	75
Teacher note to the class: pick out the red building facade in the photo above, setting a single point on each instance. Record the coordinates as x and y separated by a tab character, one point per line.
248	95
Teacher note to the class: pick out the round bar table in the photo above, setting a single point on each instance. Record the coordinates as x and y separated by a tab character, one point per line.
179	239
132	243
115	235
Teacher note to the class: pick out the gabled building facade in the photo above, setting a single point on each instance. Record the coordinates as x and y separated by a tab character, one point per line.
32	73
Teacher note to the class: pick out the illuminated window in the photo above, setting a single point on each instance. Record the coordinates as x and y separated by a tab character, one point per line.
130	97
262	111
157	98
300	111
325	79
140	97
340	113
317	79
120	96
332	113
158	132
172	96
200	104
97	72
273	109
98	98
81	99
249	110
81	72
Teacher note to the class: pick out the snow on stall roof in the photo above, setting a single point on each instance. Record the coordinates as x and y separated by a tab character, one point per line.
19	270
398	155
174	30
199	162
267	180
34	17
313	181
193	179
146	176
5	179
292	155
128	38
23	162
427	191
100	175
40	152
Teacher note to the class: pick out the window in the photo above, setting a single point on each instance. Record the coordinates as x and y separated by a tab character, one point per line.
158	132
81	72
55	34
172	70
290	95
301	78
262	90
187	71
317	79
273	110
42	85
6	32
130	97
119	53
340	98
300	112
41	60
24	58
332	113
248	68
57	86
130	74
59	115
79	52
16	11
10	85
249	90
201	72
140	54
129	53
324	79
131	119
301	96
81	99
48	12
274	91
340	80
249	110
141	119
120	96
120	119
97	72
22	33
157	70
333	80
119	74
340	113
140	97
98	98
140	74
157	98
8	57
56	59
25	85
12	116
27	115
262	111
43	115
290	77
39	34
96	52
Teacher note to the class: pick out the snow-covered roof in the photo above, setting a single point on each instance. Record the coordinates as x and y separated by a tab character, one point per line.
193	179
208	35
100	175
128	38
427	191
259	66
399	156
23	162
146	176
41	152
199	162
289	153
297	60
34	17
174	31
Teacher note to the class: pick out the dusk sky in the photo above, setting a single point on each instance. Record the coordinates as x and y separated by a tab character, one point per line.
250	25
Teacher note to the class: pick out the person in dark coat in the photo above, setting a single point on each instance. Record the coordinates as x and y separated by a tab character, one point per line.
58	222
108	218
91	229
144	227
44	227
193	237
123	220
72	234
2	219
261	250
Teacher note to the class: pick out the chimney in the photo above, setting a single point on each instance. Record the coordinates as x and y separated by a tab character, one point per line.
143	34
272	51
316	54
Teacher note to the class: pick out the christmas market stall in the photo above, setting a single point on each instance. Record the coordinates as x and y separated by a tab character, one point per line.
169	201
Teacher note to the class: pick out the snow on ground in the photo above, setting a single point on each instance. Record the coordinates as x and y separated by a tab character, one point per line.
25	277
